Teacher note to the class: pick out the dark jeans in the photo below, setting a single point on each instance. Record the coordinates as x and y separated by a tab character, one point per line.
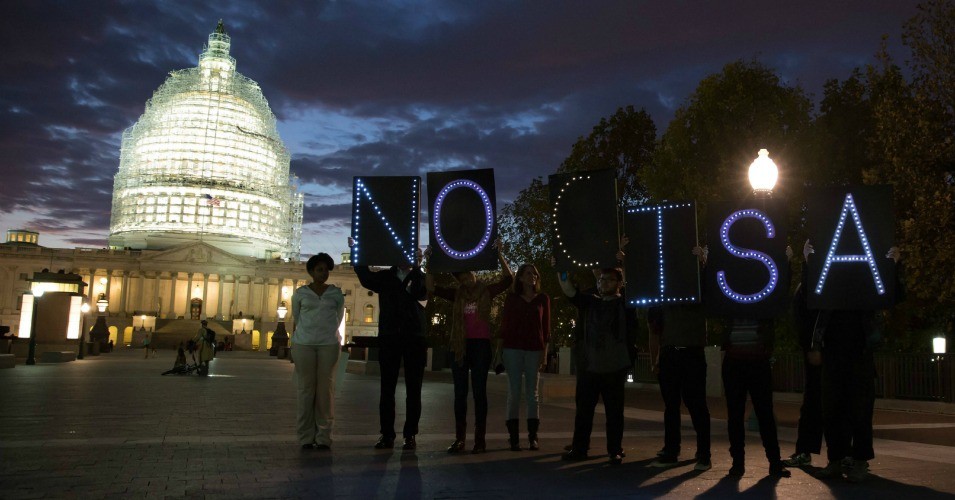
609	387
742	376
477	361
391	353
683	377
848	396
809	438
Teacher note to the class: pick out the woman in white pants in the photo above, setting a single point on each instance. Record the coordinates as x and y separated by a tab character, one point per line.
317	309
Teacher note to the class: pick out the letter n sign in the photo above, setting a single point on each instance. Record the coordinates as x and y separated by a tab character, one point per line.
747	274
661	268
384	220
584	219
463	220
851	229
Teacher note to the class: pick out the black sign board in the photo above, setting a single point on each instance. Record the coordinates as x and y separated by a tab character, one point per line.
747	274
661	268
851	229
584	219
384	220
463	220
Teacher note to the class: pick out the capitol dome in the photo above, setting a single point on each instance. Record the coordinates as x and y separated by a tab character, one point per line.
205	162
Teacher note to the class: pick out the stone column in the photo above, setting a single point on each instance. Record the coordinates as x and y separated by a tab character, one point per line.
188	296
174	276
205	294
219	309
124	291
109	290
141	296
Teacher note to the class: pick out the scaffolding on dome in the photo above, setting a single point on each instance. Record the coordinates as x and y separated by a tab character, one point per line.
205	160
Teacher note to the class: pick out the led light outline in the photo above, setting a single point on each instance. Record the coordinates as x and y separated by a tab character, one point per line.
554	222
661	299
748	254
849	205
363	190
488	218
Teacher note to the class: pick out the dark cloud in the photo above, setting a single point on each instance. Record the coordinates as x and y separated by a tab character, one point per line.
443	85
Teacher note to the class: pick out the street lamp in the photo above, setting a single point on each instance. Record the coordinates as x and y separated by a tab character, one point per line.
85	308
31	354
100	332
280	337
763	173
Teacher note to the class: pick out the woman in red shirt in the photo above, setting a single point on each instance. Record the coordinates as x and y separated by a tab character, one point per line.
525	332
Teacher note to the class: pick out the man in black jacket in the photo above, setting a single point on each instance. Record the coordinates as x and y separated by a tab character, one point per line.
605	351
400	338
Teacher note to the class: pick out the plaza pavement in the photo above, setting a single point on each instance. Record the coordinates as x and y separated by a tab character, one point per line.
111	426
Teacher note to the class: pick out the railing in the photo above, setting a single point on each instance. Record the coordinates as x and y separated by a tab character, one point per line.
926	377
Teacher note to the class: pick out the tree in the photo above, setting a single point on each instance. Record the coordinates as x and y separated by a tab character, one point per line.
712	139
624	141
913	149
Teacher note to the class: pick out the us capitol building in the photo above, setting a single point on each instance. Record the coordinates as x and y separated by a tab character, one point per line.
206	222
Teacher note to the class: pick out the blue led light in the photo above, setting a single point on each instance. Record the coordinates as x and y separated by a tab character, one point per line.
488	219
661	298
849	208
364	193
745	253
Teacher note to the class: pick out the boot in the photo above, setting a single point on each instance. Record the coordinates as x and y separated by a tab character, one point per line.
480	445
460	430
532	425
514	429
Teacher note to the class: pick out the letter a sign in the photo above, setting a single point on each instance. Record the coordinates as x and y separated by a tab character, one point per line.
851	230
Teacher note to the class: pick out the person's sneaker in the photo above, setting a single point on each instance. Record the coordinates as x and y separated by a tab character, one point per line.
309	446
858	471
574	455
737	470
703	464
798	460
385	443
664	462
410	444
832	470
616	458
322	447
662	452
778	469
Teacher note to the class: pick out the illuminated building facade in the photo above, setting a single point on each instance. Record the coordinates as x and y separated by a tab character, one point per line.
205	163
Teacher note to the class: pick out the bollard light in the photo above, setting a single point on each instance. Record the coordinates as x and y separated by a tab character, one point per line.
763	173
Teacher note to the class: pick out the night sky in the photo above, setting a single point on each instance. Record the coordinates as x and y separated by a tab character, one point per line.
385	88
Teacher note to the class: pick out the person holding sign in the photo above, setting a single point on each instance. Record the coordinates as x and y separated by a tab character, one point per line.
471	346
525	332
843	342
747	350
677	338
318	309
605	348
400	340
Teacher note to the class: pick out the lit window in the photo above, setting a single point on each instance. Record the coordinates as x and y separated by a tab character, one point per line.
369	313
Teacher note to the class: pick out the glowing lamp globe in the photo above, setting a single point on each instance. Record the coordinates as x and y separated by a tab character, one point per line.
763	173
282	311
85	308
938	345
102	303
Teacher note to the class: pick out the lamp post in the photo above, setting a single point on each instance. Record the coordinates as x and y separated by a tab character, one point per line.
100	331
763	174
280	337
84	309
31	353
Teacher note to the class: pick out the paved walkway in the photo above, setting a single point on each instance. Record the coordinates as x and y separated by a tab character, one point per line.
111	426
